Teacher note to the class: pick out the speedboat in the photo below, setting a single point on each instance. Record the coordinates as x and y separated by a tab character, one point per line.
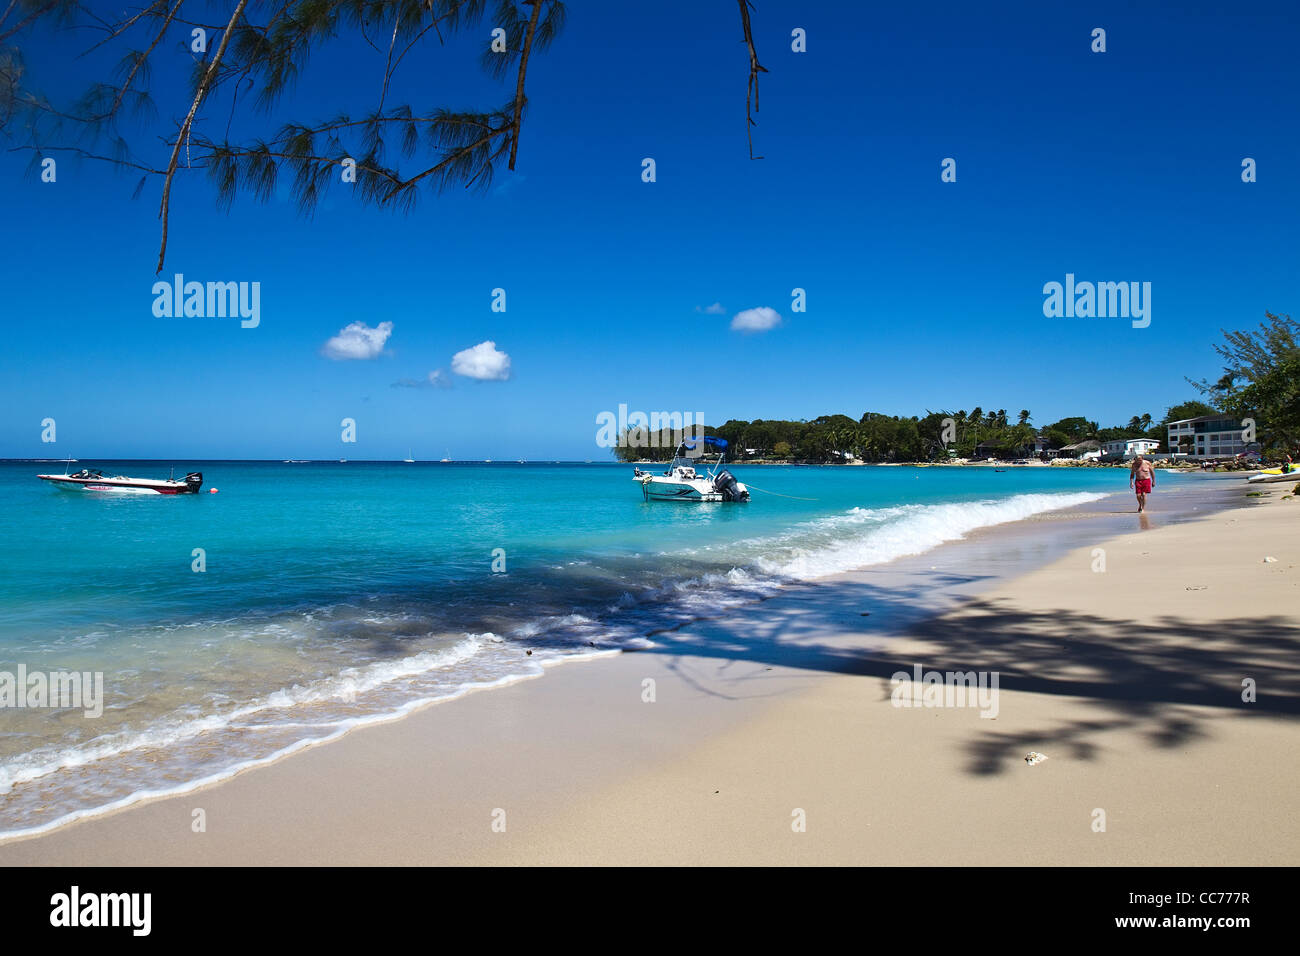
682	482
90	480
1274	474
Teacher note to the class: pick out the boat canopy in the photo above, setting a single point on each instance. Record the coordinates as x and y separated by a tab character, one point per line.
708	440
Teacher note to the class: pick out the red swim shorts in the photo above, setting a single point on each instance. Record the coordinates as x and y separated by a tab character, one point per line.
1143	486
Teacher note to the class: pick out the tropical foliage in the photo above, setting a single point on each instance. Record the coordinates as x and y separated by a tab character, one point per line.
1261	379
877	437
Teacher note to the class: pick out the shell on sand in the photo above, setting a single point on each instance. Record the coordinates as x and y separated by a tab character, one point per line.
1034	757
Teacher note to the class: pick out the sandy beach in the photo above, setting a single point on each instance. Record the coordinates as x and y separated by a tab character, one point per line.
769	735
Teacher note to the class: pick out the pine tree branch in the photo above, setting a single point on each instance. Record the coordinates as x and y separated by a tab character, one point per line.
519	84
202	91
30	18
755	68
139	64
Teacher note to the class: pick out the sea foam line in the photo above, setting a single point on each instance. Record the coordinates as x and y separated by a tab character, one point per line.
908	530
342	687
536	669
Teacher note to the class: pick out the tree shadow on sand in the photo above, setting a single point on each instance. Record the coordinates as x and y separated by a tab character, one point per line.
1137	676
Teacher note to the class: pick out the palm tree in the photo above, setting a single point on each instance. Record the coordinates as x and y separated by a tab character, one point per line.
1020	438
1146	421
840	439
1024	416
862	443
1135	424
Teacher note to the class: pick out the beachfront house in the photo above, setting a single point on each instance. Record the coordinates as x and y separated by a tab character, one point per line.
999	451
991	449
1083	450
1209	436
1041	447
1129	447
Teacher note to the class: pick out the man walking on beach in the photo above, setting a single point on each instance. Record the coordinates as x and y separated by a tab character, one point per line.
1141	478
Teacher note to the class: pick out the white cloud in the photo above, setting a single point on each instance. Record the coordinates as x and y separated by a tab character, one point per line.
483	362
439	378
358	341
756	320
715	309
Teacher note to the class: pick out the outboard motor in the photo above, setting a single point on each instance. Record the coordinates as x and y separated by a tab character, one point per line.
194	480
725	484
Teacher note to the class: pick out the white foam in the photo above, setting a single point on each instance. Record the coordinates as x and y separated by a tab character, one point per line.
907	530
534	668
344	687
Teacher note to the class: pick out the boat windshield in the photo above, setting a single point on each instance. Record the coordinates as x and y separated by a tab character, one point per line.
701	464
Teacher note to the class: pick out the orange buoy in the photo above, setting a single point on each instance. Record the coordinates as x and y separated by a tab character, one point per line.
212	491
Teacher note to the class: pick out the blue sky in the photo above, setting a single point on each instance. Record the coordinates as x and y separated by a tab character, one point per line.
1122	166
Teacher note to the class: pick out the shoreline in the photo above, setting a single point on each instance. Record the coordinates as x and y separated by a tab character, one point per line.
1002	552
396	710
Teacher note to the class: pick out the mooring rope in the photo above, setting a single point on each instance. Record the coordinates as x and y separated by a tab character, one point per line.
777	493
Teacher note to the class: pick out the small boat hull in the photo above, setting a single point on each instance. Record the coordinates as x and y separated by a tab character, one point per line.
678	488
657	489
93	481
1265	478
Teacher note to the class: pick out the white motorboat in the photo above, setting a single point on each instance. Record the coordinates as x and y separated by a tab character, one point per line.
90	480
684	482
1274	474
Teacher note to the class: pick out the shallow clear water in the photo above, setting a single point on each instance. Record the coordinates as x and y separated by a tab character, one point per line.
340	593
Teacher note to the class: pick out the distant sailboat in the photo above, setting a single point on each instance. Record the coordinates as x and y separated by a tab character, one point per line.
408	459
447	460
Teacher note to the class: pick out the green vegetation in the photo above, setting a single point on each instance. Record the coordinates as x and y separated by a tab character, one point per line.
877	437
1261	380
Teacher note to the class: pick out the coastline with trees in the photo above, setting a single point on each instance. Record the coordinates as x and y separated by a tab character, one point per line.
878	438
1260	384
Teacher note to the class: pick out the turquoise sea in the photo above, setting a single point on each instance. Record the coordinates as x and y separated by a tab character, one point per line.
303	599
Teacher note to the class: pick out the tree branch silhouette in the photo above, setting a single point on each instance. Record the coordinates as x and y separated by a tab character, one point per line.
267	59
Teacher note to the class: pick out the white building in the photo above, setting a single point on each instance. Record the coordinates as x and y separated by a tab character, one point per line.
1128	447
1209	436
